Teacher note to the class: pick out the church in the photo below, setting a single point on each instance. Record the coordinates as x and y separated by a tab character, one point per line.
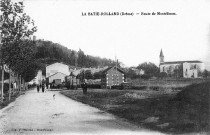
185	69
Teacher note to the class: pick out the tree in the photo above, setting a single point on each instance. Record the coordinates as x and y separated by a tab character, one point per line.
163	75
205	73
81	58
15	26
81	75
131	74
51	52
97	75
88	74
73	58
21	59
150	69
85	74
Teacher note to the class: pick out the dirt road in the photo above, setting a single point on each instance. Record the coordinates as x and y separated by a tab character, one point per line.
39	113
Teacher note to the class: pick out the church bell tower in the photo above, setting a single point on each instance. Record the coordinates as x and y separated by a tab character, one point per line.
161	57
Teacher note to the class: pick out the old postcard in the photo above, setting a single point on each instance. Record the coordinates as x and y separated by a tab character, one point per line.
104	67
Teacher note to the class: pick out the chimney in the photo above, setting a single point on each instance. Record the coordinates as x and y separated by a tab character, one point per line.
34	38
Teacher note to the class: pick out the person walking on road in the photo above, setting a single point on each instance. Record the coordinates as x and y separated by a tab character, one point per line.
43	86
37	88
84	87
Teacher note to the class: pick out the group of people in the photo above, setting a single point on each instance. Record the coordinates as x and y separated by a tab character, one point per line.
41	86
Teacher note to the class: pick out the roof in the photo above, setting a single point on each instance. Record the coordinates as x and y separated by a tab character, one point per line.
56	73
57	63
161	53
107	69
74	67
180	62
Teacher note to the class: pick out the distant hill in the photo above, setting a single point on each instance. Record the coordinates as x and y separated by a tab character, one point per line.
49	52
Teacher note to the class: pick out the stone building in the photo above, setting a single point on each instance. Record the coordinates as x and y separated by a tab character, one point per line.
186	69
112	76
57	67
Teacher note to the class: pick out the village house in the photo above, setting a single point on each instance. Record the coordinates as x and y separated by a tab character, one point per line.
71	80
112	76
57	67
138	71
57	78
186	69
55	73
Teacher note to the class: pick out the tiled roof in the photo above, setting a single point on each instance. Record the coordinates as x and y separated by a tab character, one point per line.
180	62
120	70
55	74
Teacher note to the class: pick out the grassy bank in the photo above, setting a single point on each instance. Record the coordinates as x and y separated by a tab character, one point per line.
168	112
167	82
12	99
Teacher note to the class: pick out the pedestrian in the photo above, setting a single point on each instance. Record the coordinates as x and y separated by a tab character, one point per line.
37	88
43	86
84	87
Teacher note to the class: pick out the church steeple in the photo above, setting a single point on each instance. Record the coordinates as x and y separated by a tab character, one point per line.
161	56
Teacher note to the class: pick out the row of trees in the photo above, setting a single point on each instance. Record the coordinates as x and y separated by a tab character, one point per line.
149	68
51	52
24	57
17	51
87	74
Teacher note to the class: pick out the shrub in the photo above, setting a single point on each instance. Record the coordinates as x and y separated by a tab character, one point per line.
6	87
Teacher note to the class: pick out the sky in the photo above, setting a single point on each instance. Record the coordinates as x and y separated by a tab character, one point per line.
132	39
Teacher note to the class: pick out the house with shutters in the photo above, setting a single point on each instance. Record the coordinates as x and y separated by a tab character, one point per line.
112	76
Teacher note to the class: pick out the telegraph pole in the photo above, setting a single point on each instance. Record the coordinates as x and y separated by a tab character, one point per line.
9	84
2	82
2	67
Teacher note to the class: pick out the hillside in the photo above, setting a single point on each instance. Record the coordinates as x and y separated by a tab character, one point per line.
190	108
50	52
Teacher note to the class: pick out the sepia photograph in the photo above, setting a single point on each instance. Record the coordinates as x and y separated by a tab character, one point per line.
104	67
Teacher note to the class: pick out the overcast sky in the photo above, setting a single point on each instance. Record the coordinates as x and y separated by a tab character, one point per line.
133	39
